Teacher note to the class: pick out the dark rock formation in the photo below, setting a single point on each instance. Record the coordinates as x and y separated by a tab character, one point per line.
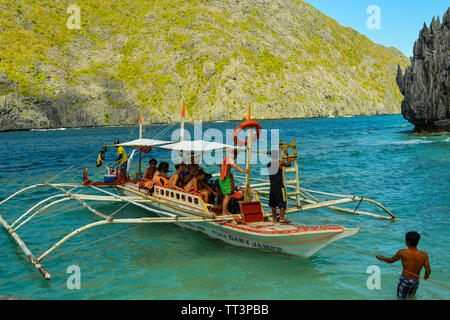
426	83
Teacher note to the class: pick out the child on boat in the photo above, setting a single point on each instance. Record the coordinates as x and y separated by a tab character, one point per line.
413	260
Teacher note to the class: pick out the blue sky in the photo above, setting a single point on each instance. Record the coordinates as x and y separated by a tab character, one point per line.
400	20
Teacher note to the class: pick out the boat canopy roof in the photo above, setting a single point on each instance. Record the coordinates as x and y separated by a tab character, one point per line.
143	143
199	146
192	146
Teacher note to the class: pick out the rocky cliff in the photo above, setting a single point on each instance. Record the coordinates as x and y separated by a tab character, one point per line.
426	83
284	56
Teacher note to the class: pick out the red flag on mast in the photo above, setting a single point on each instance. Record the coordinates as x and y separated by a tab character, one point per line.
182	110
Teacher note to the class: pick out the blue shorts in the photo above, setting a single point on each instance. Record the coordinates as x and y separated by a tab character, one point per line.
407	287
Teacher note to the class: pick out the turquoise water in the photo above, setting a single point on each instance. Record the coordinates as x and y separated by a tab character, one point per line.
375	157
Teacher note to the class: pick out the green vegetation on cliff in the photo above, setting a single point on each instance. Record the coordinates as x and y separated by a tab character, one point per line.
284	56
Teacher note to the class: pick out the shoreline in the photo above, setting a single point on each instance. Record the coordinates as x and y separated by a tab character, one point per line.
209	121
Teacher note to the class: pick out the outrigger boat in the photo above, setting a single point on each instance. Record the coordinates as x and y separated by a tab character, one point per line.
251	228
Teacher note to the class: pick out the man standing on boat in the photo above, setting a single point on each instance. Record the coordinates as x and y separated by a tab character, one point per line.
122	159
277	197
413	260
226	179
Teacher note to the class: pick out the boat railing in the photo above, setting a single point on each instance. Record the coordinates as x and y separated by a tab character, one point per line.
180	197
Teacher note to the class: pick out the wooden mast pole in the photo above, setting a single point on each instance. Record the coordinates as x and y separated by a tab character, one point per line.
247	193
140	137
182	129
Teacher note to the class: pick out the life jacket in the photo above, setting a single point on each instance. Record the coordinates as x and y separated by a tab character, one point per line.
237	195
163	182
147	184
101	157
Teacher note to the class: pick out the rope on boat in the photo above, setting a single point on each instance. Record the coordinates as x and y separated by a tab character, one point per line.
359	203
61	173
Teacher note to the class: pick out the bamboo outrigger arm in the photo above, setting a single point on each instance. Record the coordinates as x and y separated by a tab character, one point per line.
356	199
314	203
68	195
27	251
130	221
36	213
331	204
352	211
22	190
77	198
34	207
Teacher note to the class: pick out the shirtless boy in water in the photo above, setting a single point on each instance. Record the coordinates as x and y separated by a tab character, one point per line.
413	260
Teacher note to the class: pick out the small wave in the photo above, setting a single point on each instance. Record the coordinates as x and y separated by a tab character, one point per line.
54	129
412	142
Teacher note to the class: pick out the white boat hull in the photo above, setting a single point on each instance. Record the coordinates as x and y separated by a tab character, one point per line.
293	239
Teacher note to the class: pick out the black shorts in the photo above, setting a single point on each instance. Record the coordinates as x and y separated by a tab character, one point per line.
277	197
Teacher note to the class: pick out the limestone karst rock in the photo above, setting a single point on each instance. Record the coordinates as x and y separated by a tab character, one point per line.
426	83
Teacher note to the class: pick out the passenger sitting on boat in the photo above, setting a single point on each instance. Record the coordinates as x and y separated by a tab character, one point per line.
190	170
226	179
147	179
184	176
174	181
196	184
203	184
160	176
150	170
